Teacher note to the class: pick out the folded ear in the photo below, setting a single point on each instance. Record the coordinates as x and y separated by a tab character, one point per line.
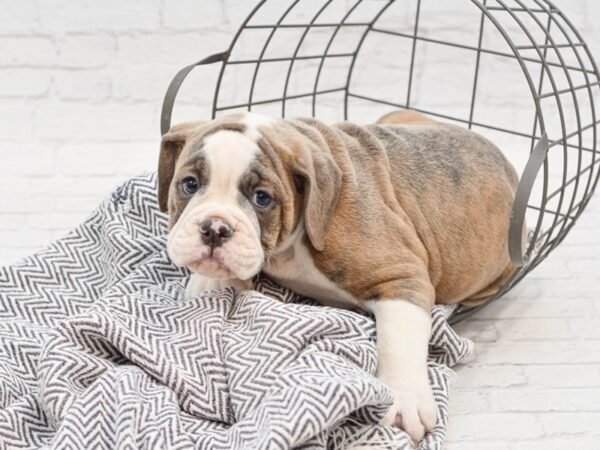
170	149
320	181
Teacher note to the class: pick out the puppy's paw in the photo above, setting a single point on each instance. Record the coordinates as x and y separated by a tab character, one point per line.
413	410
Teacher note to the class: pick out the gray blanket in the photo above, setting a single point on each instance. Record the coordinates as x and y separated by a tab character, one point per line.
98	349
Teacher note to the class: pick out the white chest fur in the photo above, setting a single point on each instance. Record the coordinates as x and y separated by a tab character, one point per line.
295	269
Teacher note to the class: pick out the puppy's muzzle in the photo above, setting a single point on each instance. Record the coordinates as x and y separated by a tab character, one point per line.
215	231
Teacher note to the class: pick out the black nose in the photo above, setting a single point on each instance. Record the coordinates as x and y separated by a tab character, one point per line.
214	231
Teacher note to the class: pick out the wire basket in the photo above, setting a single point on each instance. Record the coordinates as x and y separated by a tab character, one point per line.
515	71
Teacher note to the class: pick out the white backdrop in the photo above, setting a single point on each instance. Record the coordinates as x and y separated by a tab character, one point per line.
81	85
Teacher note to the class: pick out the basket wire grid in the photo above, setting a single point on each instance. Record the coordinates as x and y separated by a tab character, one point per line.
559	85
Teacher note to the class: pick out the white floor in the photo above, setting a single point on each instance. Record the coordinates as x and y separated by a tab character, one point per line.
534	382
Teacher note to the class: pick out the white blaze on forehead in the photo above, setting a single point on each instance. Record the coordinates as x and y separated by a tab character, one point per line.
253	121
229	154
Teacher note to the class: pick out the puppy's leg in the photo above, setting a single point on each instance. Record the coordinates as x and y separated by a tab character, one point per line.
198	284
403	331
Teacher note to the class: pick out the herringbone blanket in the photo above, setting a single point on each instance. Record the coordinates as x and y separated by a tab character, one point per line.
98	349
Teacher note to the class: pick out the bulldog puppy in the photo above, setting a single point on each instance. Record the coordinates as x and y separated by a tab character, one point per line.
390	217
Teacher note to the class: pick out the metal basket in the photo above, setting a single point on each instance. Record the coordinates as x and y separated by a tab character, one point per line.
516	71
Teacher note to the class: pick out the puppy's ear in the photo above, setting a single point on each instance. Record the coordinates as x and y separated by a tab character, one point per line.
320	180
170	149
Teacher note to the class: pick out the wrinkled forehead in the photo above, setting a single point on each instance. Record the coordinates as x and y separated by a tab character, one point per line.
227	148
229	155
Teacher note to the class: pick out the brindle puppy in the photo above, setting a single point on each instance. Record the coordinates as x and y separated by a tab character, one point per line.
391	217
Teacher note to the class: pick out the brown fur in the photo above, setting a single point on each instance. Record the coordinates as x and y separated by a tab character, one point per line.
407	208
405	226
171	146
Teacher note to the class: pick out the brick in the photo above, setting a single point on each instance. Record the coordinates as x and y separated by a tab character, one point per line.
553	267
39	191
86	50
553	290
539	308
476	376
478	445
532	399
186	113
468	401
78	203
134	159
15	124
13	255
492	427
18	16
24	83
187	14
572	375
533	329
549	352
11	221
572	423
573	252
587	269
585	328
27	51
175	49
81	122
90	186
86	85
54	221
149	82
24	238
143	82
581	239
85	15
19	202
27	160
478	330
87	159
554	443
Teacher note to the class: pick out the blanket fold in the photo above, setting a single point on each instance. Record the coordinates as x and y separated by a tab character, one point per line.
99	349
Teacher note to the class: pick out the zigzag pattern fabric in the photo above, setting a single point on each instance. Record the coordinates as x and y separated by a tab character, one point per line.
98	349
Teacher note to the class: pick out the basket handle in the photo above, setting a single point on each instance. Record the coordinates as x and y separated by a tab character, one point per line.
517	215
176	82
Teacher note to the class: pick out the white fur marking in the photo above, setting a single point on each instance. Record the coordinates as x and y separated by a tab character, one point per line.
403	332
295	269
229	154
253	121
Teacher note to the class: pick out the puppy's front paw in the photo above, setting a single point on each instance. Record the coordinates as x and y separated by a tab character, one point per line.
413	410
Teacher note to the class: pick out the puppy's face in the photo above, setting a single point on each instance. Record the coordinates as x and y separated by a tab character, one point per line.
235	194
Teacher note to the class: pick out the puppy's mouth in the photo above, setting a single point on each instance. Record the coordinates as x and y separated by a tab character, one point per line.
209	246
211	264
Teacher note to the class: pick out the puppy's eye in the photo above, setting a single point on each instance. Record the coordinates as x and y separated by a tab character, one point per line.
189	185
262	199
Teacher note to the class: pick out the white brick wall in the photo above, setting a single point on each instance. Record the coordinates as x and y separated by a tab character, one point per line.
81	85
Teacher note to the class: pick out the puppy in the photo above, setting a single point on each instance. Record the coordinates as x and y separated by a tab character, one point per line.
390	217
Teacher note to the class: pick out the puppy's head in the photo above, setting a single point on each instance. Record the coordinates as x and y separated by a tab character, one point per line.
240	189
